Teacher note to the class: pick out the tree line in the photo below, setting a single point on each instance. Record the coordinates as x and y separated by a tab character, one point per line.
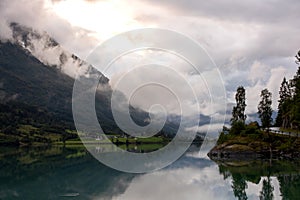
264	107
289	101
288	104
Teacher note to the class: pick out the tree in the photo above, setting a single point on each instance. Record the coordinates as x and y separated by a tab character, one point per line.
265	109
298	58
295	83
289	186
289	102
285	95
238	111
295	104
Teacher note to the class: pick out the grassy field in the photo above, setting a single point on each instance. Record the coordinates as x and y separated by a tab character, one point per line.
29	135
129	144
142	147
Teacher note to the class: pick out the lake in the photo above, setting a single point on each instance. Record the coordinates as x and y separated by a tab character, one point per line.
72	173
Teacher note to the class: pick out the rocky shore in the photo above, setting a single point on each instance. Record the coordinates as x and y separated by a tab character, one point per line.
245	148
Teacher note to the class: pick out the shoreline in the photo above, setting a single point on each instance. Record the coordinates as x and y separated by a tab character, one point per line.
272	146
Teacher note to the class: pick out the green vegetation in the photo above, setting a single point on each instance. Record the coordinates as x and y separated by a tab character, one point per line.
238	111
289	101
141	144
140	140
256	171
244	139
143	148
28	125
36	103
289	130
240	131
250	138
265	109
31	126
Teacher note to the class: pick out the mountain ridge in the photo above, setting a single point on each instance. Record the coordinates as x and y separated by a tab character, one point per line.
26	79
48	51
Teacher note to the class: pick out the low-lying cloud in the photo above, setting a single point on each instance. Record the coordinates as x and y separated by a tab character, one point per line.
252	42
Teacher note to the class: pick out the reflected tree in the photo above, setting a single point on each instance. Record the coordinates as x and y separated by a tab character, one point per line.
286	171
289	186
224	171
267	190
239	187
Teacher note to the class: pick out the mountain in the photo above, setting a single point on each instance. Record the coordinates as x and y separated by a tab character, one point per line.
36	71
49	52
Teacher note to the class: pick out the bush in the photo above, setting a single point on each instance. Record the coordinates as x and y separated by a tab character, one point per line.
285	146
237	128
254	124
250	130
254	136
222	138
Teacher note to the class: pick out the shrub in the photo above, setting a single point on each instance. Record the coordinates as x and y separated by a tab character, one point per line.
250	130
254	136
254	124
222	138
237	128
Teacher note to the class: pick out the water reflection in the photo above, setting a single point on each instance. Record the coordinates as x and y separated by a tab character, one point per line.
264	173
188	178
56	173
60	173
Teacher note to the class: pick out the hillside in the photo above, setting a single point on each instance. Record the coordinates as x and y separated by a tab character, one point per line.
28	79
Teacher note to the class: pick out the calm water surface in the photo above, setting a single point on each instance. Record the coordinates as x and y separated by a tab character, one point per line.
72	173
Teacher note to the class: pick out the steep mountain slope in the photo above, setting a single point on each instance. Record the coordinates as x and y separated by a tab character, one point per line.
49	52
28	75
25	79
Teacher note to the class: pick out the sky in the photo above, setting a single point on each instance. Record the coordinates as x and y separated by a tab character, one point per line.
253	43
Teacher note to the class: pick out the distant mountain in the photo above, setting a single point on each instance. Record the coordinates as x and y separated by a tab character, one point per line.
255	117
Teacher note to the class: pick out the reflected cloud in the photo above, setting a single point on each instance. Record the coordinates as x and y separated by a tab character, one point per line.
185	182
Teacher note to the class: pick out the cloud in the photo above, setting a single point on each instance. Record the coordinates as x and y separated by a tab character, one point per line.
259	71
184	180
235	33
40	16
256	27
270	11
5	31
274	82
252	42
184	183
268	77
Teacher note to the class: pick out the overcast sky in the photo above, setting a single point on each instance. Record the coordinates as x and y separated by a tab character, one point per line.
253	43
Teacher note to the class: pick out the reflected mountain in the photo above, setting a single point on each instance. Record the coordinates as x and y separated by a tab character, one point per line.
57	172
71	172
